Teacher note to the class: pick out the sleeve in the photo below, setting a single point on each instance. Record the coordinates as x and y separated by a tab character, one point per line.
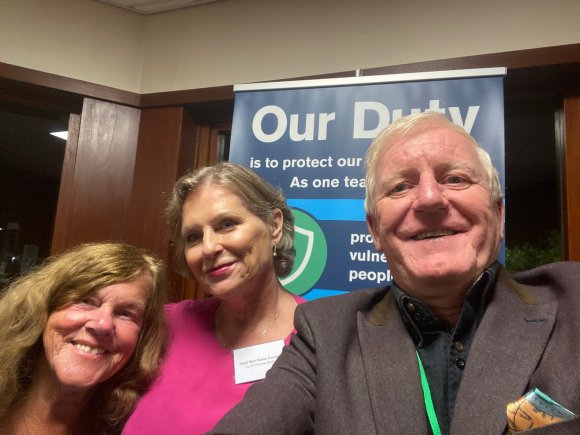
283	403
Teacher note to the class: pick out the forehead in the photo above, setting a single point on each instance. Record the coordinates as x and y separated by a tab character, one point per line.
434	145
135	290
210	195
211	201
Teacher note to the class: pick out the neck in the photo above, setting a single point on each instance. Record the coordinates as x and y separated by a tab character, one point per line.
47	407
242	322
449	313
248	307
445	303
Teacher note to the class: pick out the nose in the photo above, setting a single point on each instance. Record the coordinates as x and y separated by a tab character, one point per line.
429	195
101	322
211	244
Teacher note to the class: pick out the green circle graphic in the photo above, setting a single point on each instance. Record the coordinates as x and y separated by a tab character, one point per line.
311	254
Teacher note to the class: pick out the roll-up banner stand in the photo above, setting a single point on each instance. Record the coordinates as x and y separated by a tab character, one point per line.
309	138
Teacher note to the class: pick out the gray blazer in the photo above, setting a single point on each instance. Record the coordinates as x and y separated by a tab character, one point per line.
352	369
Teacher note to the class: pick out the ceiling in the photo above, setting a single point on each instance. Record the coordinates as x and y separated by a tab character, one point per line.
148	7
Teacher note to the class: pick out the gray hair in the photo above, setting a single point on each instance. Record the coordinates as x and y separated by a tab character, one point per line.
259	196
414	124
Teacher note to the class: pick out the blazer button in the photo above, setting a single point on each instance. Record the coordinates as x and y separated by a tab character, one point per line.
460	363
459	346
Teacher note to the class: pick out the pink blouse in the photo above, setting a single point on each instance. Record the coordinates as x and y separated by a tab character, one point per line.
196	385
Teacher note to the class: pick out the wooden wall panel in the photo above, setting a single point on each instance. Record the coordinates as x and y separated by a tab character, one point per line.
63	210
199	148
156	168
165	151
572	177
103	173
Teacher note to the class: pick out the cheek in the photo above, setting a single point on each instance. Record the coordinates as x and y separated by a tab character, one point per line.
130	341
389	219
193	259
127	339
49	340
52	342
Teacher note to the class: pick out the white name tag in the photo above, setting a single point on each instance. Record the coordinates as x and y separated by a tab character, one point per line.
251	363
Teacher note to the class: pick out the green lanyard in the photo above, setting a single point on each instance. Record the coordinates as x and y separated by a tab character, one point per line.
427	398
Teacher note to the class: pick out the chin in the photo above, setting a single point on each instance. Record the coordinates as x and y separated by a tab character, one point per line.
80	384
443	268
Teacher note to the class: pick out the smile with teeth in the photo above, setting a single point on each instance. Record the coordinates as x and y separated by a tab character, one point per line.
88	349
432	234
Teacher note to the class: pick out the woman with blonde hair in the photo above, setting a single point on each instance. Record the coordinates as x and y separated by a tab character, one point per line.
233	233
82	337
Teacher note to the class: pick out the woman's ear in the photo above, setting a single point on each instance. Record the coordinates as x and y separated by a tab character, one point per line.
277	224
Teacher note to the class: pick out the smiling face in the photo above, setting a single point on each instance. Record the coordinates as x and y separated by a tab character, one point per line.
227	248
87	342
434	219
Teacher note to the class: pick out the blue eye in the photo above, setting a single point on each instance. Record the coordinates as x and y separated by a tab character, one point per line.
456	179
400	188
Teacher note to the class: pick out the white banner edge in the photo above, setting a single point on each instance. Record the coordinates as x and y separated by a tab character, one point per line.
363	80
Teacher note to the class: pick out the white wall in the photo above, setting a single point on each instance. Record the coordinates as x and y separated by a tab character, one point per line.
239	41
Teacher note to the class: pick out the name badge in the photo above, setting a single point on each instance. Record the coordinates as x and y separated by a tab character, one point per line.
251	363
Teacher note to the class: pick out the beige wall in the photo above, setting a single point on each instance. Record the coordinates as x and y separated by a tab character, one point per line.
81	39
239	41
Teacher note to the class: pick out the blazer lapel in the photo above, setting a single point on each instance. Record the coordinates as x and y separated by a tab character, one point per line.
507	347
391	370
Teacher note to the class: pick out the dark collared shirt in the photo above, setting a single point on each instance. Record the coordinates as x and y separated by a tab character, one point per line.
444	349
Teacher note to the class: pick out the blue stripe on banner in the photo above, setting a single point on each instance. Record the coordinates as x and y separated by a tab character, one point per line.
332	209
317	293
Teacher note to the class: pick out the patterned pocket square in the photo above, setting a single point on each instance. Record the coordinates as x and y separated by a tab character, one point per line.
535	409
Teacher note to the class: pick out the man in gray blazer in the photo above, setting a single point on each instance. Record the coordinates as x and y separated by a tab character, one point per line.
454	339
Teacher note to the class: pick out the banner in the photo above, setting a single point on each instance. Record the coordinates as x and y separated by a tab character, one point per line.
309	138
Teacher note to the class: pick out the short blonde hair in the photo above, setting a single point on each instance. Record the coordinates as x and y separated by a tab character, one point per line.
414	125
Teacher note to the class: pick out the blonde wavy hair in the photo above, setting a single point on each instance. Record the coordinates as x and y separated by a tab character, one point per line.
28	302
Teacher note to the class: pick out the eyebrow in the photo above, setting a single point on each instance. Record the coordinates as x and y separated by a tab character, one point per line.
187	229
227	214
138	306
471	170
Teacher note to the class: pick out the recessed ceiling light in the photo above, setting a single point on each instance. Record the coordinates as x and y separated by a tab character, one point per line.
60	134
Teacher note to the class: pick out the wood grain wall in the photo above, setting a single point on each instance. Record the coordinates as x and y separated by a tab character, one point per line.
98	175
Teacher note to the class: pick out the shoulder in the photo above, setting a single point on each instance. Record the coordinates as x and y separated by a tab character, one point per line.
343	307
299	299
192	305
187	310
560	280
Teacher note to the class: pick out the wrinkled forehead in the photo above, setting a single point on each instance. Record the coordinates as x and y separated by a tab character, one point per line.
436	142
455	132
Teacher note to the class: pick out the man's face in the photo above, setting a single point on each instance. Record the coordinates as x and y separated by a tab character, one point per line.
434	219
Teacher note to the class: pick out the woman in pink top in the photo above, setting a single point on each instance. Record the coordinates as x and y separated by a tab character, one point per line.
233	233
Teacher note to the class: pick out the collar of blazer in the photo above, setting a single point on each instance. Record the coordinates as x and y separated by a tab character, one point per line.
386	305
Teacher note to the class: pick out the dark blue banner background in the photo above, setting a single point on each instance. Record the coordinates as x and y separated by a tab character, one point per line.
311	142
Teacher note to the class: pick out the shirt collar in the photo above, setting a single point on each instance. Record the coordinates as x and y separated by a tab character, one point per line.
423	326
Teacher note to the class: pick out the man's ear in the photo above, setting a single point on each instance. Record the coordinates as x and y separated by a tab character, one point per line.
373	229
277	224
501	211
